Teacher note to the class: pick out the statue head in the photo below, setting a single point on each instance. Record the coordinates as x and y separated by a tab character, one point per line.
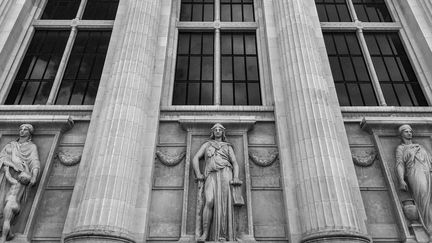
26	130
405	131
216	128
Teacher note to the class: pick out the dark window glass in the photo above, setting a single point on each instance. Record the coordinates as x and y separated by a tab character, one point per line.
61	9
333	11
84	69
239	69
237	11
35	77
395	73
372	11
197	10
350	74
101	9
193	83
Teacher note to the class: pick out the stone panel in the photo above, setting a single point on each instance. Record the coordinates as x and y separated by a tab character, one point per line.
381	218
171	133
165	214
262	133
52	214
356	135
268	214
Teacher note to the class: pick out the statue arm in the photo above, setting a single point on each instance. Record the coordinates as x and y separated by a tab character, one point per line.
195	161
400	169
236	180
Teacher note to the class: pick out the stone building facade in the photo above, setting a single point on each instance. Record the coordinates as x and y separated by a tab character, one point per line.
123	93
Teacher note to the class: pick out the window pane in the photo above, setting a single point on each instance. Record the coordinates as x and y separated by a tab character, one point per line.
194	69
389	94
240	94
333	11
227	68
226	45
250	44
252	68
368	94
354	95
193	97
351	76
393	67
241	66
39	67
61	9
254	95
84	68
372	11
227	94
186	12
197	10
206	93
179	96
237	11
342	94
208	12
101	9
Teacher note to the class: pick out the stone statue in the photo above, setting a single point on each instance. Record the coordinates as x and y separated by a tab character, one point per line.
413	165
221	178
19	169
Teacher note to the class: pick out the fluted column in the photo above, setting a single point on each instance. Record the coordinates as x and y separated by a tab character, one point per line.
305	113
122	135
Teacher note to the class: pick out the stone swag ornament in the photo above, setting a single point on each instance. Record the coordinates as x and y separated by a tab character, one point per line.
413	168
19	169
218	189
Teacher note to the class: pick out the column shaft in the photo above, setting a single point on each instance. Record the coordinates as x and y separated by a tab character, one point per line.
124	116
327	209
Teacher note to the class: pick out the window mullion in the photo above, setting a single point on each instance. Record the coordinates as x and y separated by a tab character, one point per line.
81	8
352	10
217	68
217	55
371	68
62	66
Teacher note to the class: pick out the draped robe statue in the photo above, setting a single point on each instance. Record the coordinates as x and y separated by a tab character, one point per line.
19	168
221	171
414	165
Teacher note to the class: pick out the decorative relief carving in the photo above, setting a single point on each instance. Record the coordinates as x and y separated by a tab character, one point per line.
170	160
264	162
68	159
364	158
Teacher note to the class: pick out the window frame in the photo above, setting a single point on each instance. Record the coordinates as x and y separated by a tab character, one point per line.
396	26
72	26
216	26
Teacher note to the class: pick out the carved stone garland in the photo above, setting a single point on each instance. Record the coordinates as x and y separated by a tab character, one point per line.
264	162
68	159
364	158
170	160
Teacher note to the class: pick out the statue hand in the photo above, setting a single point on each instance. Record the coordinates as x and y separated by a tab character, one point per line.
403	186
32	181
236	182
199	177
